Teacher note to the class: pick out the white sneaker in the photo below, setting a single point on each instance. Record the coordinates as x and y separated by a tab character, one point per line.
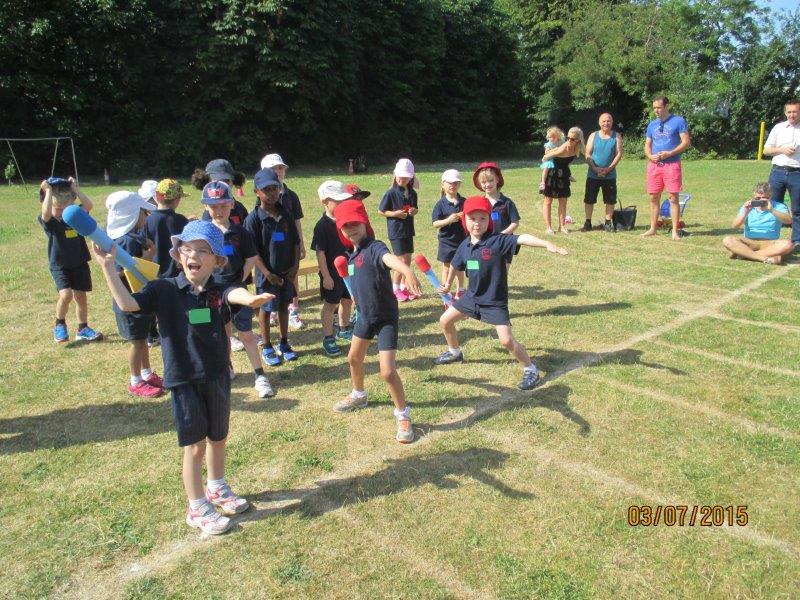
208	521
236	344
295	322
263	387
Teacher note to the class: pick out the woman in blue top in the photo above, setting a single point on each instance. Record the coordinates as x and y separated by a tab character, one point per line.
603	152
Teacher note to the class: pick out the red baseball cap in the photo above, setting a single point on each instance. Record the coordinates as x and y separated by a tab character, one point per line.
351	211
473	203
488	165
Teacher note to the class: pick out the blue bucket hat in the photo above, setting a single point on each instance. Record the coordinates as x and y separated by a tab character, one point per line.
216	192
200	230
265	178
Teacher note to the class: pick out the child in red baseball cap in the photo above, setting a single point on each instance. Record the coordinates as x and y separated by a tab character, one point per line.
369	267
485	255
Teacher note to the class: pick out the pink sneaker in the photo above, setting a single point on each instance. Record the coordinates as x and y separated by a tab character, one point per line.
155	380
412	296
145	390
208	521
401	296
226	501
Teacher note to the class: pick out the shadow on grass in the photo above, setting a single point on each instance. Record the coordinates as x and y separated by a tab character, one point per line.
537	292
252	403
558	362
717	232
582	309
441	470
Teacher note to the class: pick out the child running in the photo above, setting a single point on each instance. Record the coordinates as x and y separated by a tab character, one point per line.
192	310
68	256
399	205
446	218
378	315
488	178
485	257
555	137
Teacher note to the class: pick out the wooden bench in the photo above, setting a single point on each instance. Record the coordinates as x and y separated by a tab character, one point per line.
308	266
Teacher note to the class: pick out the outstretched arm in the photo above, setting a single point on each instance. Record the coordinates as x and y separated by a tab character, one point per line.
394	263
241	296
119	292
532	241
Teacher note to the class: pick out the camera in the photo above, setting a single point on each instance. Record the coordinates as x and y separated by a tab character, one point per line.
758	203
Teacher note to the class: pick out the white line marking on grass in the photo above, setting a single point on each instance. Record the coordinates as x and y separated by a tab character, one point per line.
747	424
748	364
775	299
768	324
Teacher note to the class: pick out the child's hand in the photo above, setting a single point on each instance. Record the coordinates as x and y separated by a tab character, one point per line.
401	214
551	247
148	250
103	257
327	282
444	289
257	301
274	279
45	186
412	210
413	284
73	185
455	217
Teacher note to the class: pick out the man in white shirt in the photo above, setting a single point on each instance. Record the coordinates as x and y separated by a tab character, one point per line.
783	145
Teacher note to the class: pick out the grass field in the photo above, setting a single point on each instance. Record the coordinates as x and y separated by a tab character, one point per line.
671	379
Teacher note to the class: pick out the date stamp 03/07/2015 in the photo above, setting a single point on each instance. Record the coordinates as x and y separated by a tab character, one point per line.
681	515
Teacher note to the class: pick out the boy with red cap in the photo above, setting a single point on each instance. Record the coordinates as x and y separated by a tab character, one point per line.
369	268
488	178
485	256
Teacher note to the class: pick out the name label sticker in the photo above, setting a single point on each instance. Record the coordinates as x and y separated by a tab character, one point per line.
472	265
229	250
70	233
199	316
278	236
495	215
351	270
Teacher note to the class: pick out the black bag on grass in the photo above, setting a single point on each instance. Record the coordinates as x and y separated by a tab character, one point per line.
624	218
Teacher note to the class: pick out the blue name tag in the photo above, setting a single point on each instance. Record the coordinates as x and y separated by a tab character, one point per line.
278	236
495	215
228	250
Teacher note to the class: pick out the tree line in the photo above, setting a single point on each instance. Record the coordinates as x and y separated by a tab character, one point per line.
162	85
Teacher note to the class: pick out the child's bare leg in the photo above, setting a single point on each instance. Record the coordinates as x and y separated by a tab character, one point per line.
326	316
448	322
81	306
655	209
193	456
251	348
547	206
544	178
675	215
445	271
562	214
137	356
406	258
263	325
513	346
355	358
392	377
215	461
283	322
62	304
345	308
460	280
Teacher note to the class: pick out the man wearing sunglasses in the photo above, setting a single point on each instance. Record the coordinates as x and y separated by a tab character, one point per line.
667	136
783	145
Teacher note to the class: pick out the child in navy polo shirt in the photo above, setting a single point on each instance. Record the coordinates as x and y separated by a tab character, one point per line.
277	244
127	213
399	205
485	257
332	289
489	179
192	311
68	256
240	250
164	223
446	218
378	314
220	169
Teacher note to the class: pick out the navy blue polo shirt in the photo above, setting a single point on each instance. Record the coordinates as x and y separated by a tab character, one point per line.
504	212
395	199
276	240
66	248
194	345
133	243
237	217
160	225
486	265
326	239
372	282
239	246
453	234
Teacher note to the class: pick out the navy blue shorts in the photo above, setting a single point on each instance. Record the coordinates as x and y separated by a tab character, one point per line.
333	296
402	246
76	278
202	410
133	326
243	318
446	253
283	295
386	331
494	315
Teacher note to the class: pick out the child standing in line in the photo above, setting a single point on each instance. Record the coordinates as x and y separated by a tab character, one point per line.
240	250
127	213
148	191
399	205
332	289
192	310
485	256
275	234
68	255
488	178
446	218
220	169
378	315
291	202
555	137
163	223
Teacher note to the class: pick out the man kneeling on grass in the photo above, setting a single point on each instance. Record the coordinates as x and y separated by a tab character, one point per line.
762	219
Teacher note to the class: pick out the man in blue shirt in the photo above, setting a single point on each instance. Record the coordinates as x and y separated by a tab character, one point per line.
667	137
762	218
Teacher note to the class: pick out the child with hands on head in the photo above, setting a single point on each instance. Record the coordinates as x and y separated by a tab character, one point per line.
192	310
369	268
68	256
485	256
446	217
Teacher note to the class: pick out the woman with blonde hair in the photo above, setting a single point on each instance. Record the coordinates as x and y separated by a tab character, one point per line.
558	178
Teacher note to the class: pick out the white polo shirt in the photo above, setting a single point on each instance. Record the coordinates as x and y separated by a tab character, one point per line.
784	134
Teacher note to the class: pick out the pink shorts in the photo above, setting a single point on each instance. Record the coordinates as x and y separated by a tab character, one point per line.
661	176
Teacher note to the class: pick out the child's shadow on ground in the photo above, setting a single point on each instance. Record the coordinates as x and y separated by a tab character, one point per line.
537	292
582	309
252	403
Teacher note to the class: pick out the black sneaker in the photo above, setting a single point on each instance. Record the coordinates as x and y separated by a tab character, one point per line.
587	226
609	227
447	357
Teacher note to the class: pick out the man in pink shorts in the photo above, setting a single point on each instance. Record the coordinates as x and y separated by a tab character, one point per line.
667	137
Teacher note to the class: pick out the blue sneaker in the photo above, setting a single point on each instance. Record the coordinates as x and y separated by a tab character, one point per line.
530	379
285	350
330	347
88	334
60	333
270	356
345	334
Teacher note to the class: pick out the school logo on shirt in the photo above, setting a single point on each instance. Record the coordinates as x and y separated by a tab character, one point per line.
486	253
359	260
214	299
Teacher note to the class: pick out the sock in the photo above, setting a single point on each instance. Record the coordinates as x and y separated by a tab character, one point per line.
146	373
405	412
135	379
197	505
403	286
358	394
61	321
82	326
454	351
214	484
395	287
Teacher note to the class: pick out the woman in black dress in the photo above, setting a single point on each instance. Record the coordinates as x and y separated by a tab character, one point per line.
558	178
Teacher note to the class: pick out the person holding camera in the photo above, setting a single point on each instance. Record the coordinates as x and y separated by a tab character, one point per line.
762	219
